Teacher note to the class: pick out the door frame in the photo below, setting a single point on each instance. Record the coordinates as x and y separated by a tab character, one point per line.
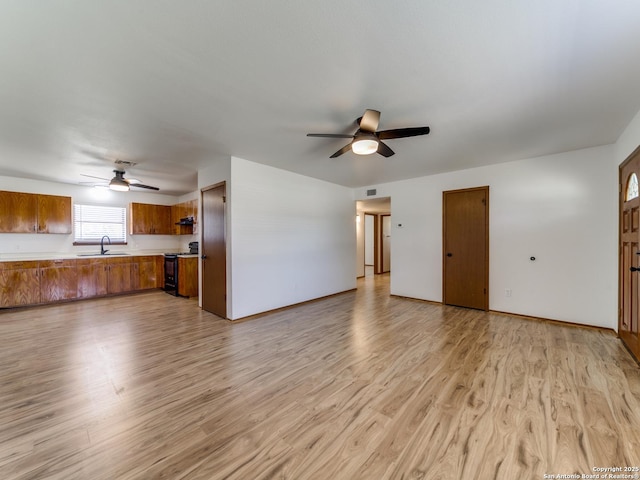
628	340
486	243
381	240
201	252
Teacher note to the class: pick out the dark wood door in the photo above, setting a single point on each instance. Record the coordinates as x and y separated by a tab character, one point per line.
629	235
466	248
213	251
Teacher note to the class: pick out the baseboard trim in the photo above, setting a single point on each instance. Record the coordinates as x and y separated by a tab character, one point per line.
553	320
287	307
519	315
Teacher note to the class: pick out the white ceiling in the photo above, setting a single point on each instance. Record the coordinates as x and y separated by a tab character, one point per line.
175	86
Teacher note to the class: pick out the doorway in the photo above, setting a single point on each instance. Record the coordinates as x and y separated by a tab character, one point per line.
629	266
373	236
214	251
466	248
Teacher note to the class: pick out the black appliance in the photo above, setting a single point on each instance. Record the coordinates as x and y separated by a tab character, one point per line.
193	247
171	273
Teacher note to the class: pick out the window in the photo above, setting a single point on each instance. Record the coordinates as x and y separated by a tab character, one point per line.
92	222
632	188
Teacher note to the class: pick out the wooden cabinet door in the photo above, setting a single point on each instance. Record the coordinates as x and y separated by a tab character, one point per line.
92	277
145	272
119	276
58	280
188	276
162	220
19	212
149	219
54	214
19	284
141	221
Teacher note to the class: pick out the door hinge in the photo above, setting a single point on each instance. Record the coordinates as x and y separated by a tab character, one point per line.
224	199
485	291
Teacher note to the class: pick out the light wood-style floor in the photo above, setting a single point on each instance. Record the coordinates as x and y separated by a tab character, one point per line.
356	386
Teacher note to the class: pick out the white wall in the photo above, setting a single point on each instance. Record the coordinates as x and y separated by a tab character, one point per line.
559	208
12	244
628	141
293	238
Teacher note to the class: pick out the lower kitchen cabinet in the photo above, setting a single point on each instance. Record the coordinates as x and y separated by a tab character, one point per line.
58	280
19	284
119	275
145	273
188	276
48	281
92	277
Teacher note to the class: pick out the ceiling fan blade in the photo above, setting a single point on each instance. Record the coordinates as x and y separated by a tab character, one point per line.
141	185
370	120
384	150
93	176
402	133
344	149
329	135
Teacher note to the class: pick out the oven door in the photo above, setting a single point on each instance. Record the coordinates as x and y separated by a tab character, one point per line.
171	274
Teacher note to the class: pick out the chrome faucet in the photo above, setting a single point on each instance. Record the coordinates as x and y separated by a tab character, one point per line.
102	250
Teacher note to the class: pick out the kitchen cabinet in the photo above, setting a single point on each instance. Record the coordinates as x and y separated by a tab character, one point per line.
19	284
184	210
188	276
34	213
54	214
149	219
119	275
58	280
49	281
145	273
92	277
19	212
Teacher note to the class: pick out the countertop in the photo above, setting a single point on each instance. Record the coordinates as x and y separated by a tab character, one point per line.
24	256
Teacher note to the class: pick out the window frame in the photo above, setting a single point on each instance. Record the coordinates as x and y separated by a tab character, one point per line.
96	241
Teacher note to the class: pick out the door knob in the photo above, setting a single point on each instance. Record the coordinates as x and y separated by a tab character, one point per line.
635	269
203	257
449	254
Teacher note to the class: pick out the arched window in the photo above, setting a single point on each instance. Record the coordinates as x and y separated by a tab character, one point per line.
632	188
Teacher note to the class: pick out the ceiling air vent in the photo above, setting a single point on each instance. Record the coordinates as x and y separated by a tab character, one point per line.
371	192
124	163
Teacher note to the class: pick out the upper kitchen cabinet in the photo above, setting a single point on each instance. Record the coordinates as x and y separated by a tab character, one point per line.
19	212
54	214
33	213
149	219
184	217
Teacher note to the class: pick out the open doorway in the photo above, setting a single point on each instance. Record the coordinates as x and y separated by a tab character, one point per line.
373	234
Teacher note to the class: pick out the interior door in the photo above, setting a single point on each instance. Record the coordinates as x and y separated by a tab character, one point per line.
466	248
213	251
629	235
386	243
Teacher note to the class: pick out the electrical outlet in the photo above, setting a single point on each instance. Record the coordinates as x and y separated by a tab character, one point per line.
507	292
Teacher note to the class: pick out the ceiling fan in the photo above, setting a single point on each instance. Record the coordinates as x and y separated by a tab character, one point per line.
367	140
121	184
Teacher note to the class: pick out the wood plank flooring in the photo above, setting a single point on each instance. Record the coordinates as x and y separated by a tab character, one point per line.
356	386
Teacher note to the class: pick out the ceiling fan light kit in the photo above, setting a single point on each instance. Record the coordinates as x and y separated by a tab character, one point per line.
365	145
118	182
367	139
